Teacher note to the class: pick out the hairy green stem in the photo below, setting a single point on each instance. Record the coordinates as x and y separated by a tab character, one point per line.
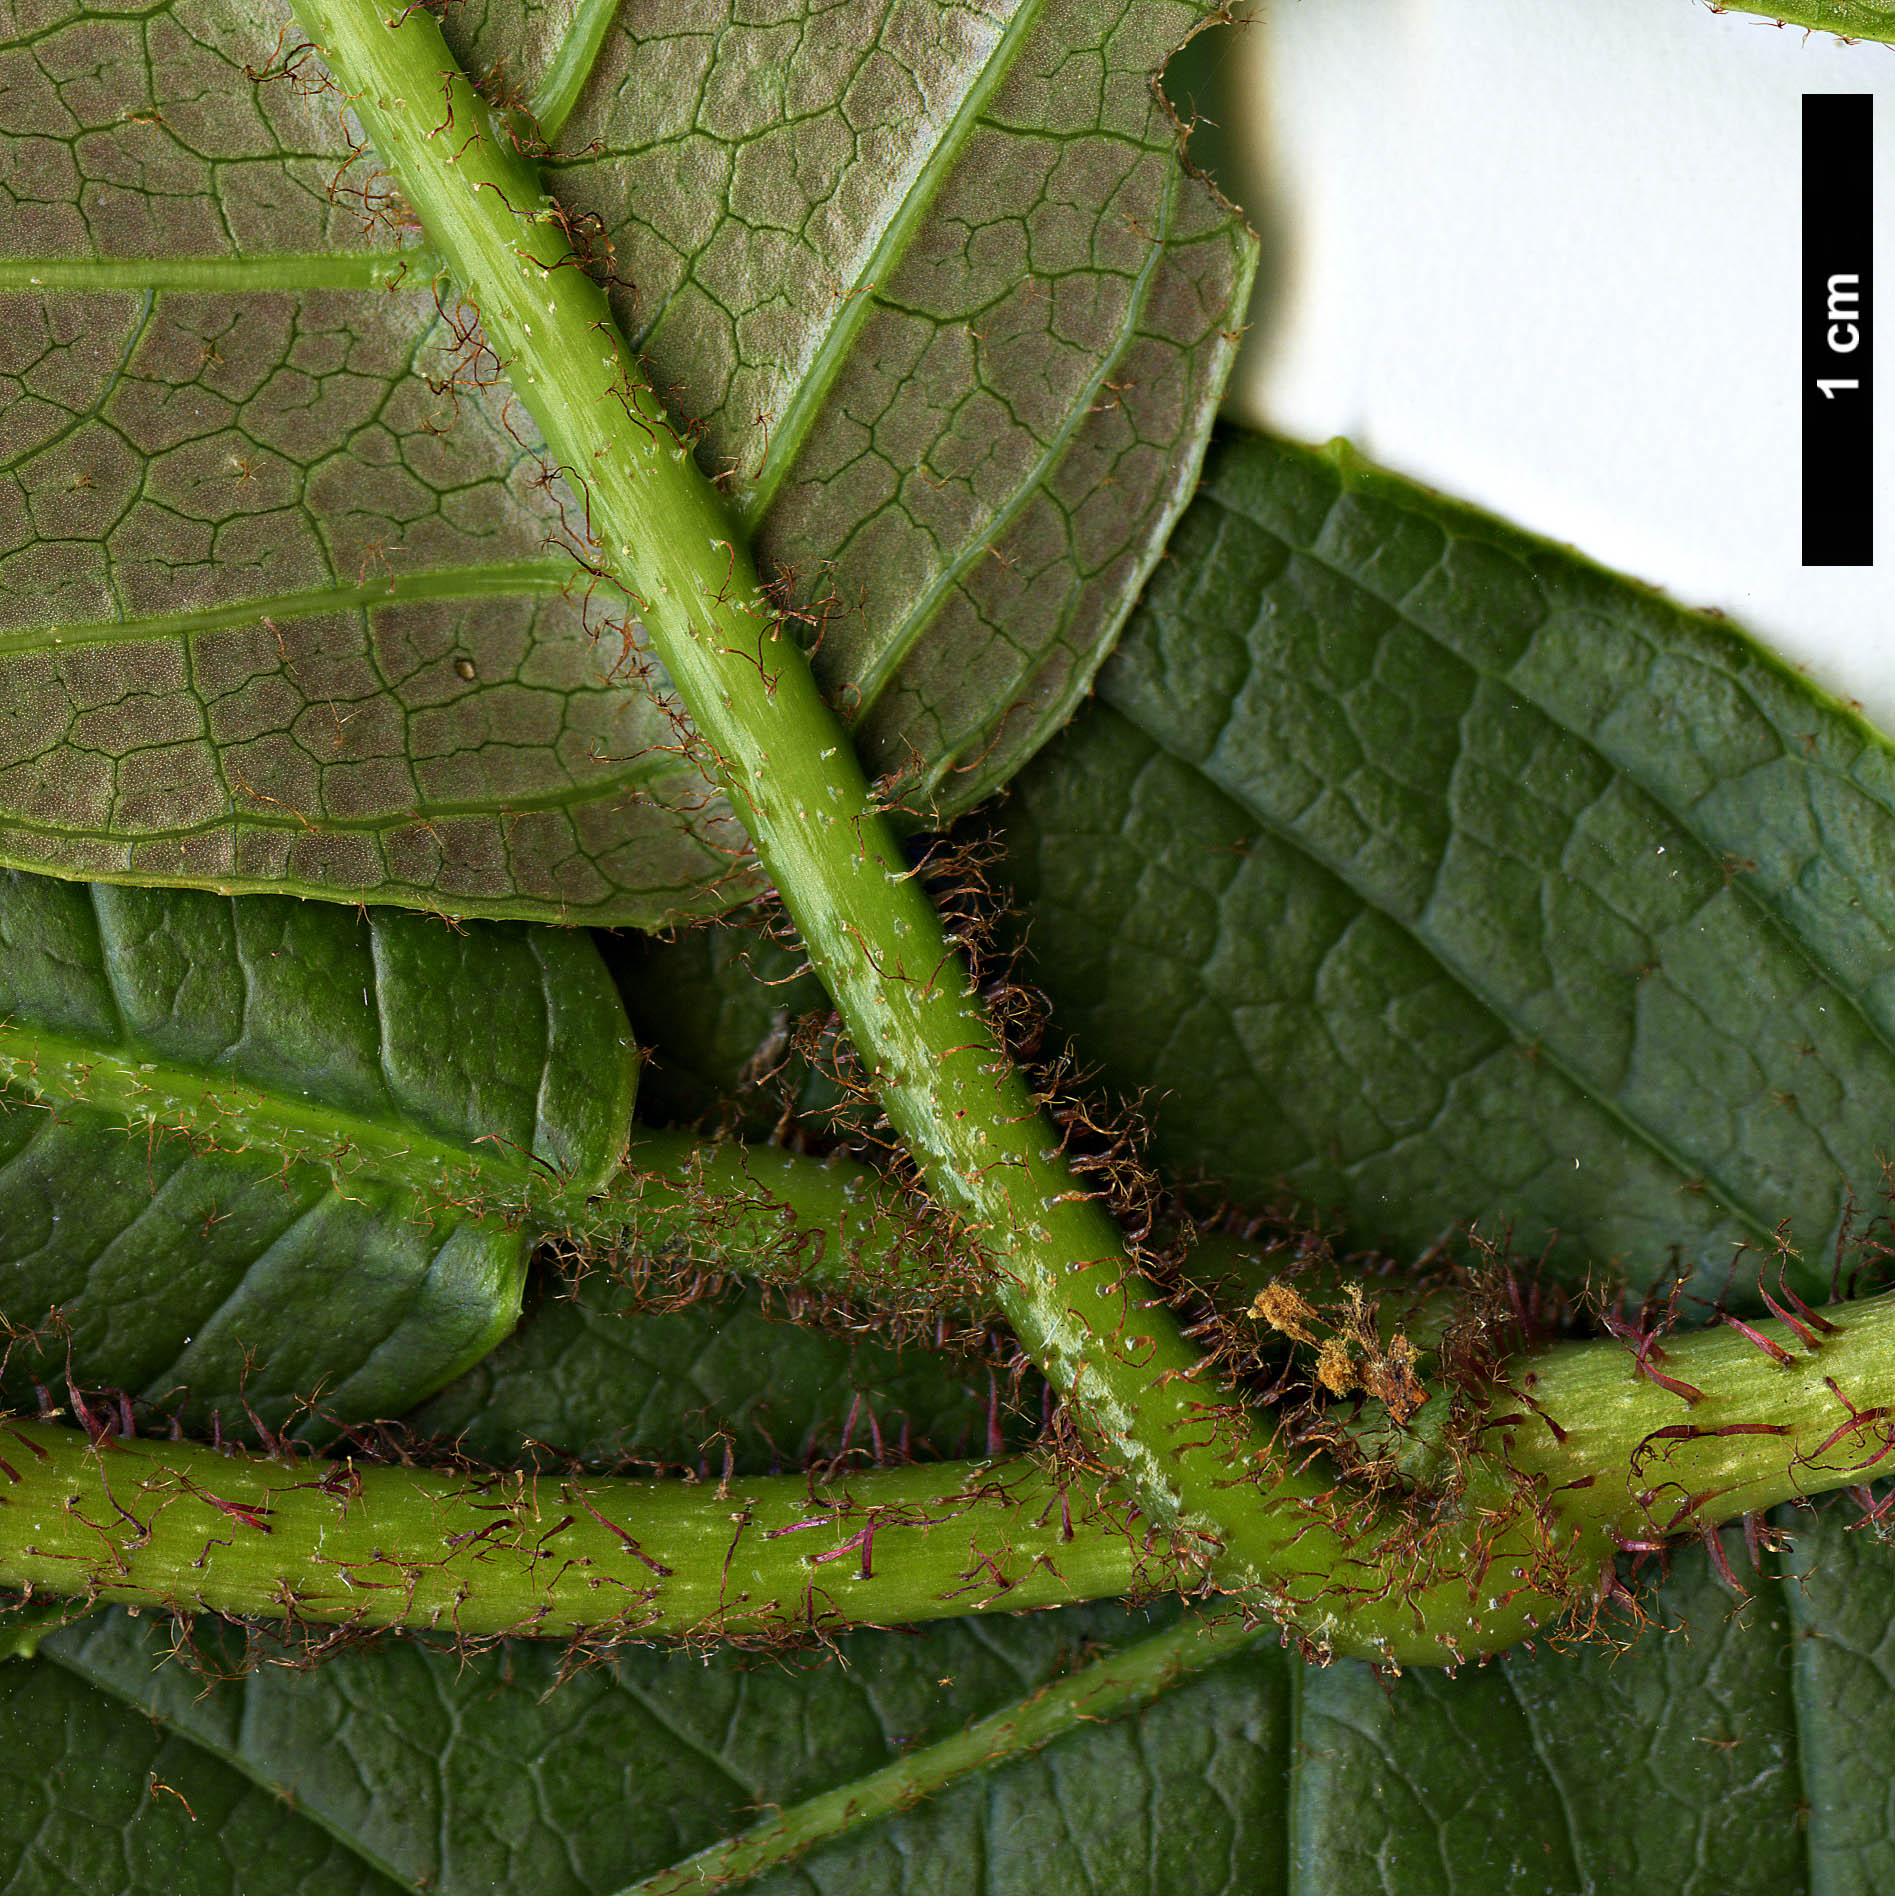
1108	1688
704	1203
828	1224
1847	19
1579	1455
824	1224
176	1525
1707	1426
1060	1270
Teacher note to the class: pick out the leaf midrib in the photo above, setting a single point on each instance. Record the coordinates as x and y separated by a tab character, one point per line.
203	1105
1799	1694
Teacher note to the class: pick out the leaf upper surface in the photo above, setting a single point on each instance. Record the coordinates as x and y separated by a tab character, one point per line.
687	1384
1680	1765
282	566
1452	877
96	1798
222	1261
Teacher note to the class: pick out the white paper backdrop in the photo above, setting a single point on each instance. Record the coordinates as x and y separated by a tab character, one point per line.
1544	255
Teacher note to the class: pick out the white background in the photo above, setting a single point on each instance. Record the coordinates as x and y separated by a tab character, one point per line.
1544	255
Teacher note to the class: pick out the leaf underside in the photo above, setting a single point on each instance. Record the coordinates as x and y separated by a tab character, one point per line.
285	600
1430	872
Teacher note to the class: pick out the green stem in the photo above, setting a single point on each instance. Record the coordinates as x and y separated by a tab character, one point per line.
1058	1266
1612	1450
175	1525
1108	1688
706	1204
1585	1452
324	270
826	1224
1610	1413
1715	1424
1847	19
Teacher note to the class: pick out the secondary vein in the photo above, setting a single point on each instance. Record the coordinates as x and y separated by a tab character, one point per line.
855	304
325	270
502	578
1108	1688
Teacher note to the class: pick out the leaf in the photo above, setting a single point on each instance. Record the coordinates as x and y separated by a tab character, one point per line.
474	1776
97	1799
1435	874
1743	1733
186	1271
1837	1591
592	1375
1685	1765
1510	1777
716	1011
286	601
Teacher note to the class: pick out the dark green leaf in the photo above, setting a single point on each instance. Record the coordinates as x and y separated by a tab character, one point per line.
591	1375
1715	1756
283	580
717	1012
480	1775
186	1271
1840	1597
1436	874
97	1797
1673	1767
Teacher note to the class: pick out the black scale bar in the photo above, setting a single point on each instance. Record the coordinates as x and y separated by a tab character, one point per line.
1838	313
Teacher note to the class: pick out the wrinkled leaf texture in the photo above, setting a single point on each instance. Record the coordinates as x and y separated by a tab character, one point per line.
1436	874
1738	1746
192	1273
283	596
